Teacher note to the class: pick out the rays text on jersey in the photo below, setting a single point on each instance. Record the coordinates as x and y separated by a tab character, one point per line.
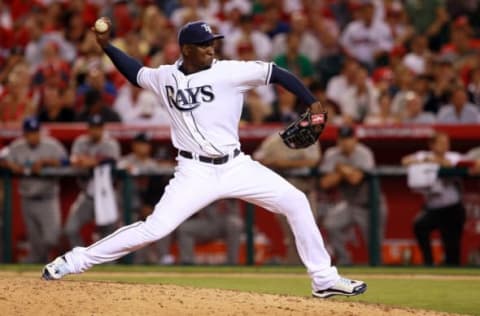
189	98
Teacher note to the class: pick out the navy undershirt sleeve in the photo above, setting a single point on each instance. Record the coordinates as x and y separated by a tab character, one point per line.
290	82
127	65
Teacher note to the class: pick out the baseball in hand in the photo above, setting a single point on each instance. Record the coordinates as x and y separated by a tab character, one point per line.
101	26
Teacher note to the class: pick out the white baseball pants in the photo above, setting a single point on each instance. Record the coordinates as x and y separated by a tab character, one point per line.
197	184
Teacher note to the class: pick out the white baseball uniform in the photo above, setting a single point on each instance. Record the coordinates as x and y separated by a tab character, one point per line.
205	108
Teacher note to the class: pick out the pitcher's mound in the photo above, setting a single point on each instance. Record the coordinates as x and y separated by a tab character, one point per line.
23	295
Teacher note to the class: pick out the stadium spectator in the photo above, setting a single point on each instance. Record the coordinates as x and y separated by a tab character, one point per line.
139	107
462	47
284	108
403	82
430	18
75	27
90	57
398	22
94	106
309	46
294	61
261	43
360	99
385	115
295	165
413	112
18	100
444	78
191	10
89	151
53	69
366	39
168	55
418	58
155	30
473	87
53	107
39	38
326	32
344	168
459	111
9	58
383	80
271	22
443	209
96	79
40	203
422	86
233	10
340	83
218	220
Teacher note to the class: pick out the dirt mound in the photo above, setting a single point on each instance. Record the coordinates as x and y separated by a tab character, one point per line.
26	295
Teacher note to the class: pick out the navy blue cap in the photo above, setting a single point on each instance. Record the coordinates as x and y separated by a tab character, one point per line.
346	132
31	124
96	120
196	33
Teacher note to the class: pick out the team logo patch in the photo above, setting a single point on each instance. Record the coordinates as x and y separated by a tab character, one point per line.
189	98
207	28
318	119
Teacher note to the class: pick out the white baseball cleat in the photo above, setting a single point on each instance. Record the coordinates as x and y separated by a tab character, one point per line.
343	286
56	269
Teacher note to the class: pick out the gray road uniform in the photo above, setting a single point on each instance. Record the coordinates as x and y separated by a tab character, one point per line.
82	210
39	196
353	206
218	220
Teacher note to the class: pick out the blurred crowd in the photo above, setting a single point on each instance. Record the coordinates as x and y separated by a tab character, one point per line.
368	61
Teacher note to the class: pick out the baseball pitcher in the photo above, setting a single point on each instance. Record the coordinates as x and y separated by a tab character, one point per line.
203	97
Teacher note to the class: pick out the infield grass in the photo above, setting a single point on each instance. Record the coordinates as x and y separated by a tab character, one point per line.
441	289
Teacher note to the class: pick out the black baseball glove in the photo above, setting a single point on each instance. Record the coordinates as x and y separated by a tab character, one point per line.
304	131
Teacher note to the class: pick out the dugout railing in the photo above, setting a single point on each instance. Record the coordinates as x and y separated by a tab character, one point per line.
373	179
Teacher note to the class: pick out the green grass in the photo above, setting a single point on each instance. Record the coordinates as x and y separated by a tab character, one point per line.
464	271
459	296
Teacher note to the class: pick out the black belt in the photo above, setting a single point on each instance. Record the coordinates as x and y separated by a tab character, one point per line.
215	161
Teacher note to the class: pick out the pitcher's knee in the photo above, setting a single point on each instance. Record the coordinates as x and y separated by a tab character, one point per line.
293	200
156	229
294	195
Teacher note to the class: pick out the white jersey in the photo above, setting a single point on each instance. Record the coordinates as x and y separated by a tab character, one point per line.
205	106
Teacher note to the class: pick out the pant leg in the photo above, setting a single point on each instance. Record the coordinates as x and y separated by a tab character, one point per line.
33	231
306	186
81	212
249	180
423	225
48	215
188	191
451	229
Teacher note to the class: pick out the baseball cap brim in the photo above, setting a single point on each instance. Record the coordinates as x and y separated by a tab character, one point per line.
212	38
